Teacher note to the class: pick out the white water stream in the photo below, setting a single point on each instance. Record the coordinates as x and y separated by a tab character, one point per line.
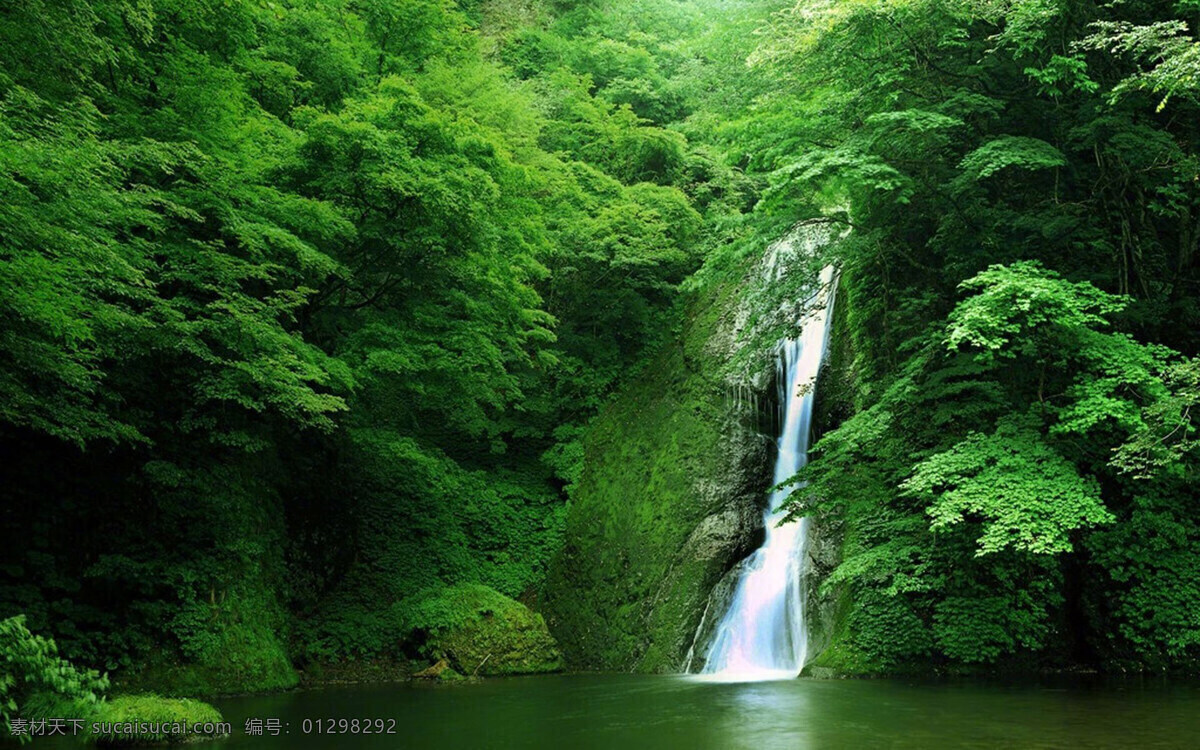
763	634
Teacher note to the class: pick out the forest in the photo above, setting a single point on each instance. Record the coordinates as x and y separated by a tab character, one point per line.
323	324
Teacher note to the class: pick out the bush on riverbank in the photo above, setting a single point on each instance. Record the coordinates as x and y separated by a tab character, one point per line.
35	682
38	684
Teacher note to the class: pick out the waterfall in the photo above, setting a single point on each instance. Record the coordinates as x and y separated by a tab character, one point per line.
763	634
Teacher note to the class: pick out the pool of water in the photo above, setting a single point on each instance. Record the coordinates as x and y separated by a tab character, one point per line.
629	712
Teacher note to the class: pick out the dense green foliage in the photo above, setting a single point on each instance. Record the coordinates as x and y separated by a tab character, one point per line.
1017	478
1014	457
307	310
305	306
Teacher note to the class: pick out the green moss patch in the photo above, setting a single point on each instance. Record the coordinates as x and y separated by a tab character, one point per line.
149	719
478	630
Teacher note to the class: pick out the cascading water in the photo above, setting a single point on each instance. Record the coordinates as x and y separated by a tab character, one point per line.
763	634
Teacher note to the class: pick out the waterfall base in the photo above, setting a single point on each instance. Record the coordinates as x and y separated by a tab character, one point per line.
762	634
748	675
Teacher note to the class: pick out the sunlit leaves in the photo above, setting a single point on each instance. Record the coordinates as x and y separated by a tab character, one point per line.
840	172
1023	312
67	280
1026	24
1011	152
1063	74
1167	55
1026	495
1167	439
915	120
1013	301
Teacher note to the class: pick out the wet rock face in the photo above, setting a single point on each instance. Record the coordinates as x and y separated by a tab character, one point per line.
734	528
734	535
824	553
715	606
719	542
727	534
671	499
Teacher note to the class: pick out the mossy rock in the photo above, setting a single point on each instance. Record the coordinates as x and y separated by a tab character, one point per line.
676	471
130	719
480	631
441	672
669	499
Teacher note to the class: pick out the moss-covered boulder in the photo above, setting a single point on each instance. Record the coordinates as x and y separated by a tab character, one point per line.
133	720
479	631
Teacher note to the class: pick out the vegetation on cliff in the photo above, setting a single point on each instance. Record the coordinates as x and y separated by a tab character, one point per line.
667	501
308	309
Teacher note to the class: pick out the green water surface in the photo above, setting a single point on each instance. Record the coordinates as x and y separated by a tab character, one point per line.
629	712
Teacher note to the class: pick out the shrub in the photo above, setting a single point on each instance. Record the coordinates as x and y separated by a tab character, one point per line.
35	682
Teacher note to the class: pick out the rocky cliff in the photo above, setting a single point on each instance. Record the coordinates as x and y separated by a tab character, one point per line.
671	497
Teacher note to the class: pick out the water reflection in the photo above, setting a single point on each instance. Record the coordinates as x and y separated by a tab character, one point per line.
632	712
